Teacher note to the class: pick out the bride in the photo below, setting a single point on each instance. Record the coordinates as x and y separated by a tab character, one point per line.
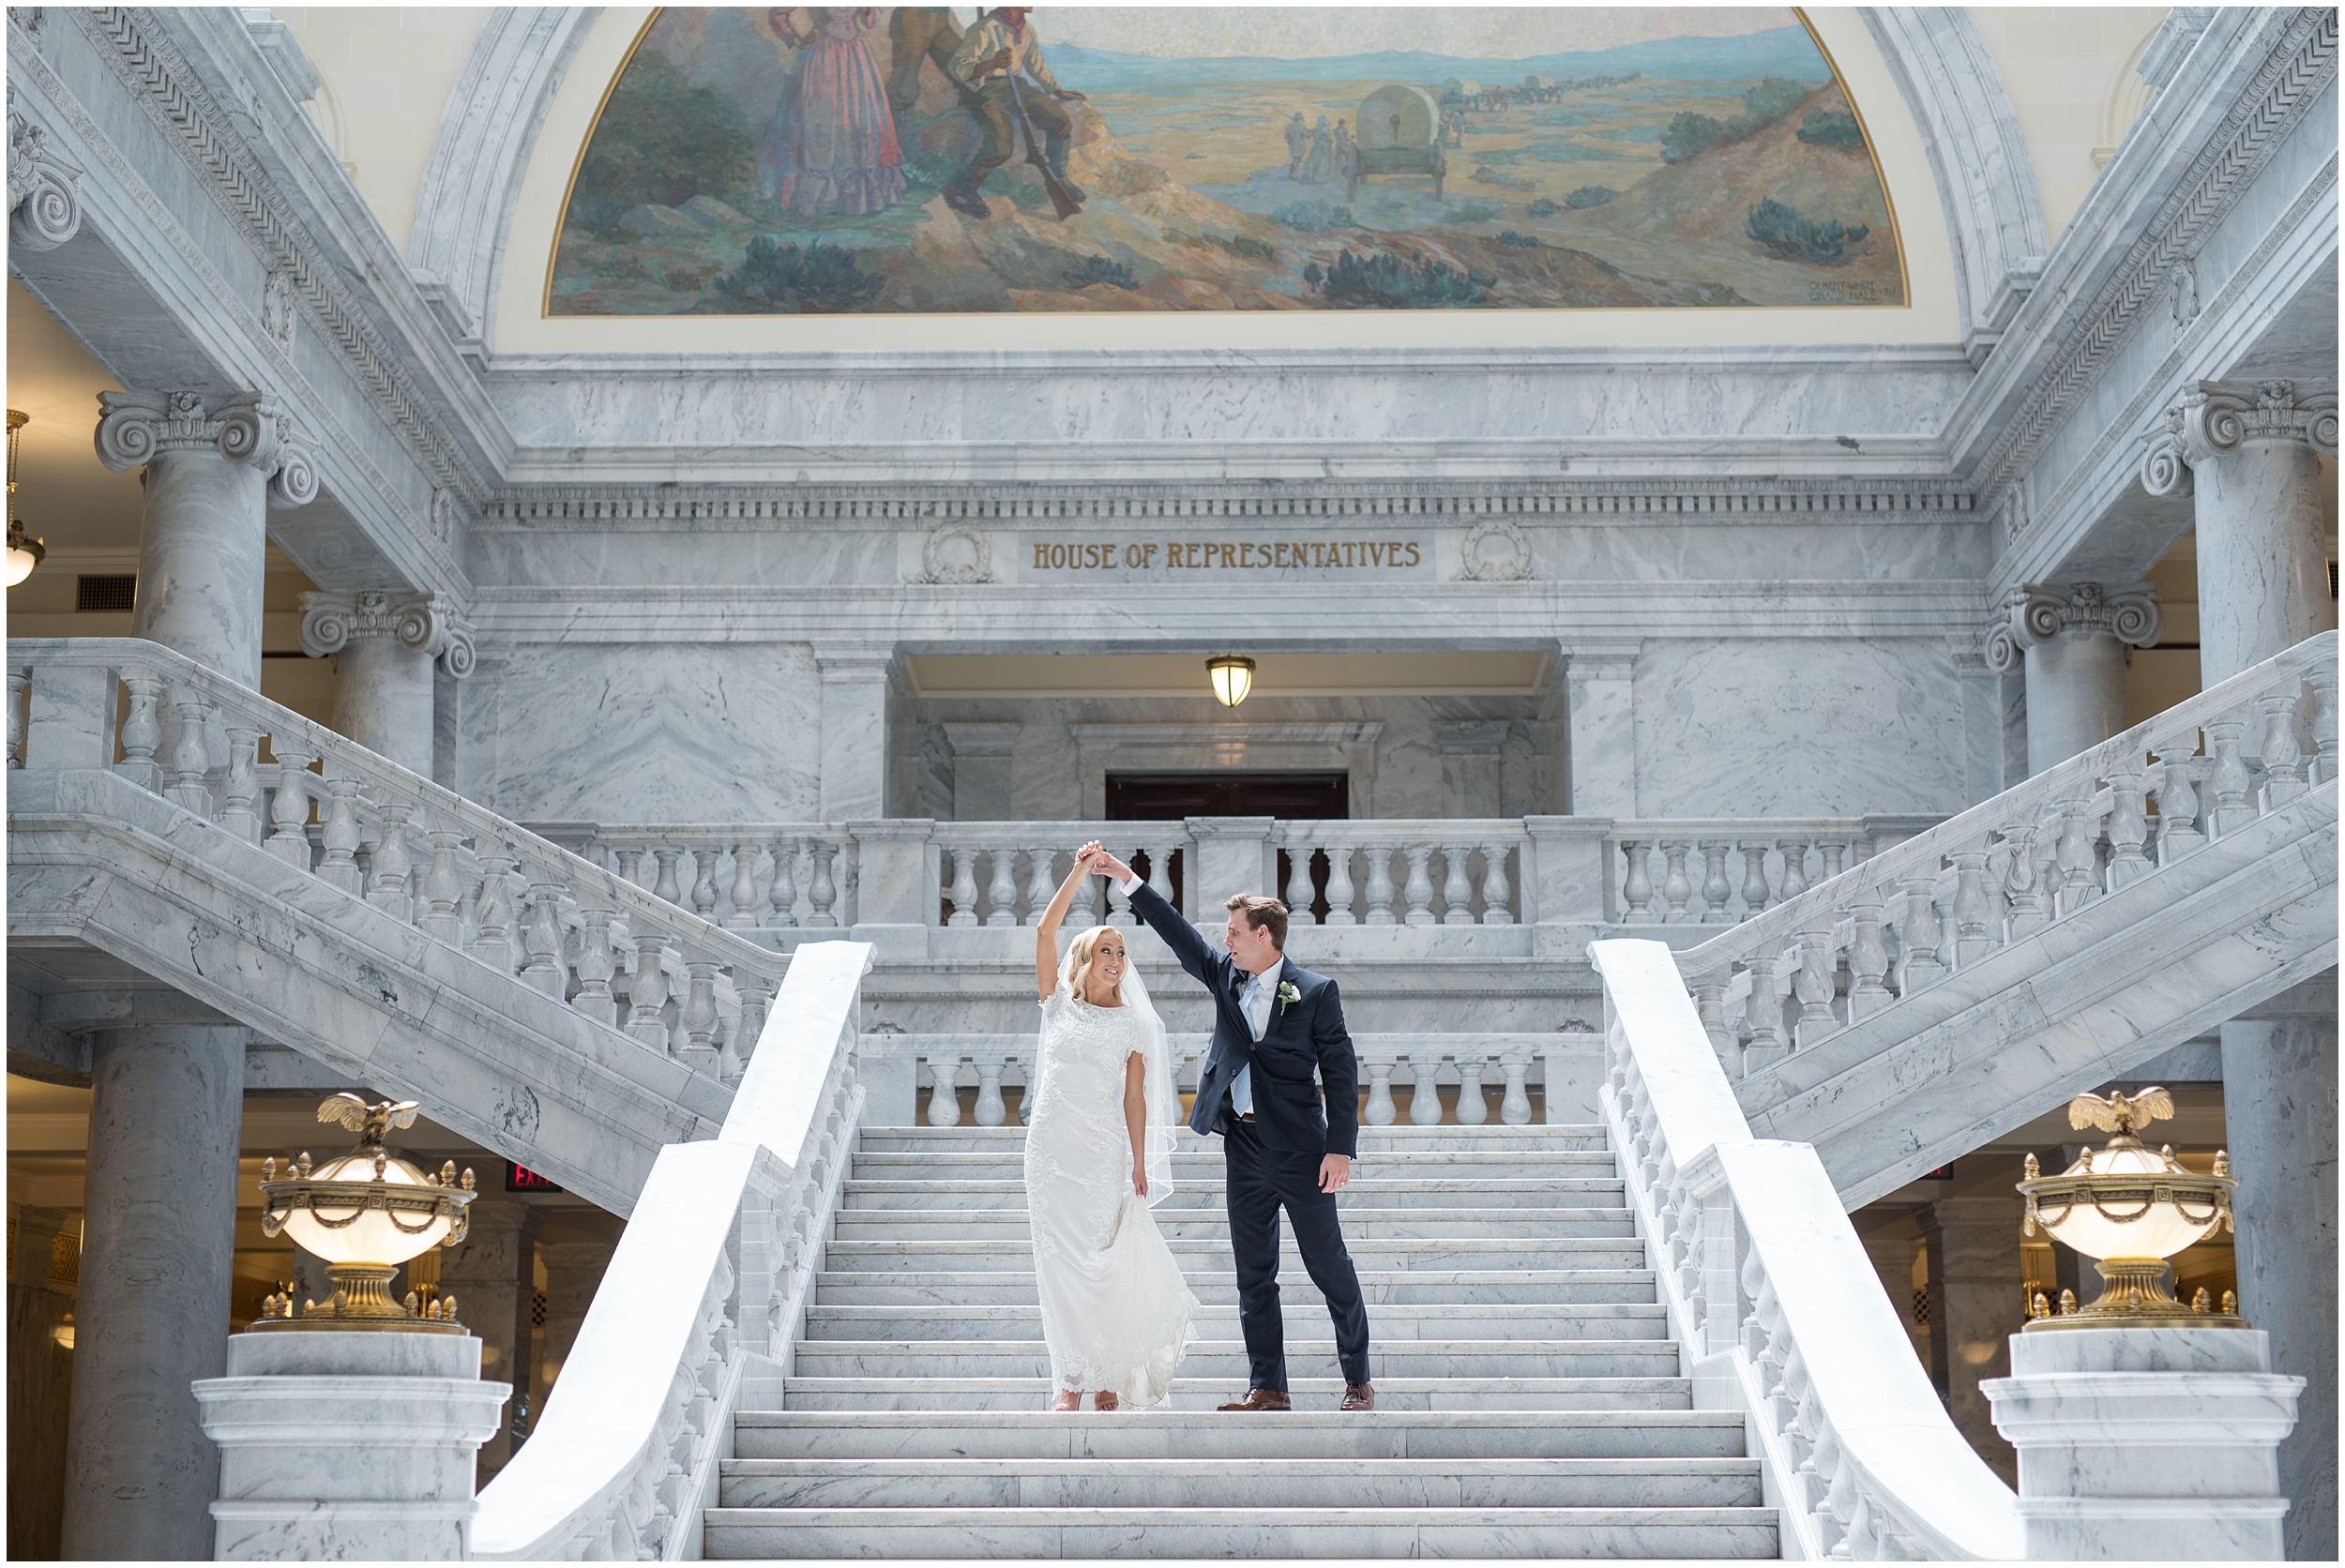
1099	1130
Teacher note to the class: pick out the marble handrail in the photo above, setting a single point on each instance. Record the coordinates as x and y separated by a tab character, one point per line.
454	870
1952	896
1771	1294
1674	870
705	1293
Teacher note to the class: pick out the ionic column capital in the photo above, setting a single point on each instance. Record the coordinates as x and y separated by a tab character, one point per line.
44	187
249	428
422	624
2038	612
2215	418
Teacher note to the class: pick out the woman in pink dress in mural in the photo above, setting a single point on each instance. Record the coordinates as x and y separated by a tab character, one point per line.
832	149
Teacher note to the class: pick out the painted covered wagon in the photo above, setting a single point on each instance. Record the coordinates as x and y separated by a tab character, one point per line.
1399	132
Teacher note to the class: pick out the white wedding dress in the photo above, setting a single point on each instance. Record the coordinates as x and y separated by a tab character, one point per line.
1115	1309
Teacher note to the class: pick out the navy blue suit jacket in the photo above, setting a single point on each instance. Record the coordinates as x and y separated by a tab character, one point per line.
1303	1036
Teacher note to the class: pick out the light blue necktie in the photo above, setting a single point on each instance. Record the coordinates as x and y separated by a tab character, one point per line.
1242	1086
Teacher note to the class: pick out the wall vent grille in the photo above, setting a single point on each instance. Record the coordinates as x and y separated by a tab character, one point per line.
110	593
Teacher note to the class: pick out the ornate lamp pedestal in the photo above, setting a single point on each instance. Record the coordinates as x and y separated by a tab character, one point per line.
2147	1444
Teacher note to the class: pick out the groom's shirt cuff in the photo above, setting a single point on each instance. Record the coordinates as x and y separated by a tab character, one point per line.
1130	882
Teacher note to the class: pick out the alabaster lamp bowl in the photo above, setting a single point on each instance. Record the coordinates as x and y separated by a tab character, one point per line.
364	1214
2130	1210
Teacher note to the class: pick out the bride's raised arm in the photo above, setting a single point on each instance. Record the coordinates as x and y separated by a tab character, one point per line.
1046	934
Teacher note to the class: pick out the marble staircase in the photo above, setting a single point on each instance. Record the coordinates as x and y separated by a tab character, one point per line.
1530	1397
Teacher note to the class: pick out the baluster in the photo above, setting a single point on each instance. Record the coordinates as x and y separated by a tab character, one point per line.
1456	888
667	887
1001	893
1976	931
1811	982
744	915
142	727
991	1111
2128	823
1380	884
1424	1095
1867	958
1497	893
1763	1015
2283	772
1119	902
340	864
2075	858
1710	1008
1380	1111
494	915
1160	870
1715	889
783	895
1514	1107
1794	853
1041	883
1834	851
704	882
2177	801
2021	887
240	801
191	758
393	862
944	1099
1026	1083
962	895
1419	888
445	889
2229	780
700	1014
757	1005
1473	1109
820	891
1918	936
1339	888
2323	682
1636	887
18	676
543	942
1298	890
1677	889
1755	897
647	991
630	859
596	964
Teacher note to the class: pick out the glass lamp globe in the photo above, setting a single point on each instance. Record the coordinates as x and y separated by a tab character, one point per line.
1232	677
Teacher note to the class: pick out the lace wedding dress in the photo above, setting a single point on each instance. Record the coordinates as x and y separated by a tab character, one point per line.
1116	1308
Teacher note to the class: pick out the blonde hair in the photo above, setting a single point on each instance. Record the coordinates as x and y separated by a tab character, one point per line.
1082	954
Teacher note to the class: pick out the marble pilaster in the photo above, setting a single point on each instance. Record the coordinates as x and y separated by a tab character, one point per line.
2280	1118
573	1273
157	1243
1602	720
215	464
1471	766
981	770
490	1276
2249	453
384	645
854	731
2071	640
1233	856
1972	1257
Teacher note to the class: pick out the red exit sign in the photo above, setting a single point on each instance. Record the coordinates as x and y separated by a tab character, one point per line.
520	1178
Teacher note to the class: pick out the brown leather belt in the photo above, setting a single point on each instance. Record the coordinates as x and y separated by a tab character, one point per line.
1245	1116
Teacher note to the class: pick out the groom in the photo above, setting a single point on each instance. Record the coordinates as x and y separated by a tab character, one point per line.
1273	1024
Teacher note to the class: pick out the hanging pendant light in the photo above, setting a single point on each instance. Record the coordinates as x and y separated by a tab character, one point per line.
23	553
1232	677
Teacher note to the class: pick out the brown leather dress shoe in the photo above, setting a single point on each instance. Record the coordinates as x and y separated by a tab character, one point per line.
1259	1399
1358	1396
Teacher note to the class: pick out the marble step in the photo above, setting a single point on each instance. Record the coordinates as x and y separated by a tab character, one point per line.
1190	1195
1201	1255
1361	1223
920	1359
1387	1323
1399	1136
1252	1533
1027	1432
1191	1393
1188	1160
1218	1288
1199	1482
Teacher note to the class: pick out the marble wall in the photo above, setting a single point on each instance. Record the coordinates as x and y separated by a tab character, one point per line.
691	733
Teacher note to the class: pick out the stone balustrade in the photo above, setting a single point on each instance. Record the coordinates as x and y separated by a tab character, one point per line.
1957	893
1682	871
766	877
1420	872
615	953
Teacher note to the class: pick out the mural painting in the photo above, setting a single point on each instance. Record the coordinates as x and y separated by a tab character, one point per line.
1075	160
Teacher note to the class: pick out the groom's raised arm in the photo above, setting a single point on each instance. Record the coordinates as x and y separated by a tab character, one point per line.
1179	935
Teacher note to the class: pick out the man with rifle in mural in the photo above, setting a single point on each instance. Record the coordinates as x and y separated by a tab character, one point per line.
994	55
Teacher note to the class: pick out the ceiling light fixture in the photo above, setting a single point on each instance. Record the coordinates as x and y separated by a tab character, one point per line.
1232	677
23	553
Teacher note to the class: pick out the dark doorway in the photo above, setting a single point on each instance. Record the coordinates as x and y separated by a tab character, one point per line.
1158	797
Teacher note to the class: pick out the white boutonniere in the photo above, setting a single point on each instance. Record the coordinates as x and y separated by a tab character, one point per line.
1287	993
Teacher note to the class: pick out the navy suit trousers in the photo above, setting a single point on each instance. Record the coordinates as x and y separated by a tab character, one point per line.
1261	1181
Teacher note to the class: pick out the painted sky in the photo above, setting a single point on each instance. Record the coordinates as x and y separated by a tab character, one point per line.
1477	32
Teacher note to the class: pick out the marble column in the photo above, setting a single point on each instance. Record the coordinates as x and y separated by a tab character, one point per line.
2279	1118
157	1244
573	1273
1973	1253
2071	640
490	1276
1603	721
384	645
215	464
1471	767
855	732
2247	453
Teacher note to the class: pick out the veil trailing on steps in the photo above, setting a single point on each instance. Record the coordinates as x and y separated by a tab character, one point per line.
1162	1093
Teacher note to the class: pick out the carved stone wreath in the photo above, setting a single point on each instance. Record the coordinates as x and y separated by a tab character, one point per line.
1496	551
957	552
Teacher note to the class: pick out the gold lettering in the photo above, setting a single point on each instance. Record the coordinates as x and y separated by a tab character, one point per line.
1246	553
1041	556
1413	555
1149	555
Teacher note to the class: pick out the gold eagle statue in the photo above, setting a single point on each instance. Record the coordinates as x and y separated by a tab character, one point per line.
2121	1113
371	1122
